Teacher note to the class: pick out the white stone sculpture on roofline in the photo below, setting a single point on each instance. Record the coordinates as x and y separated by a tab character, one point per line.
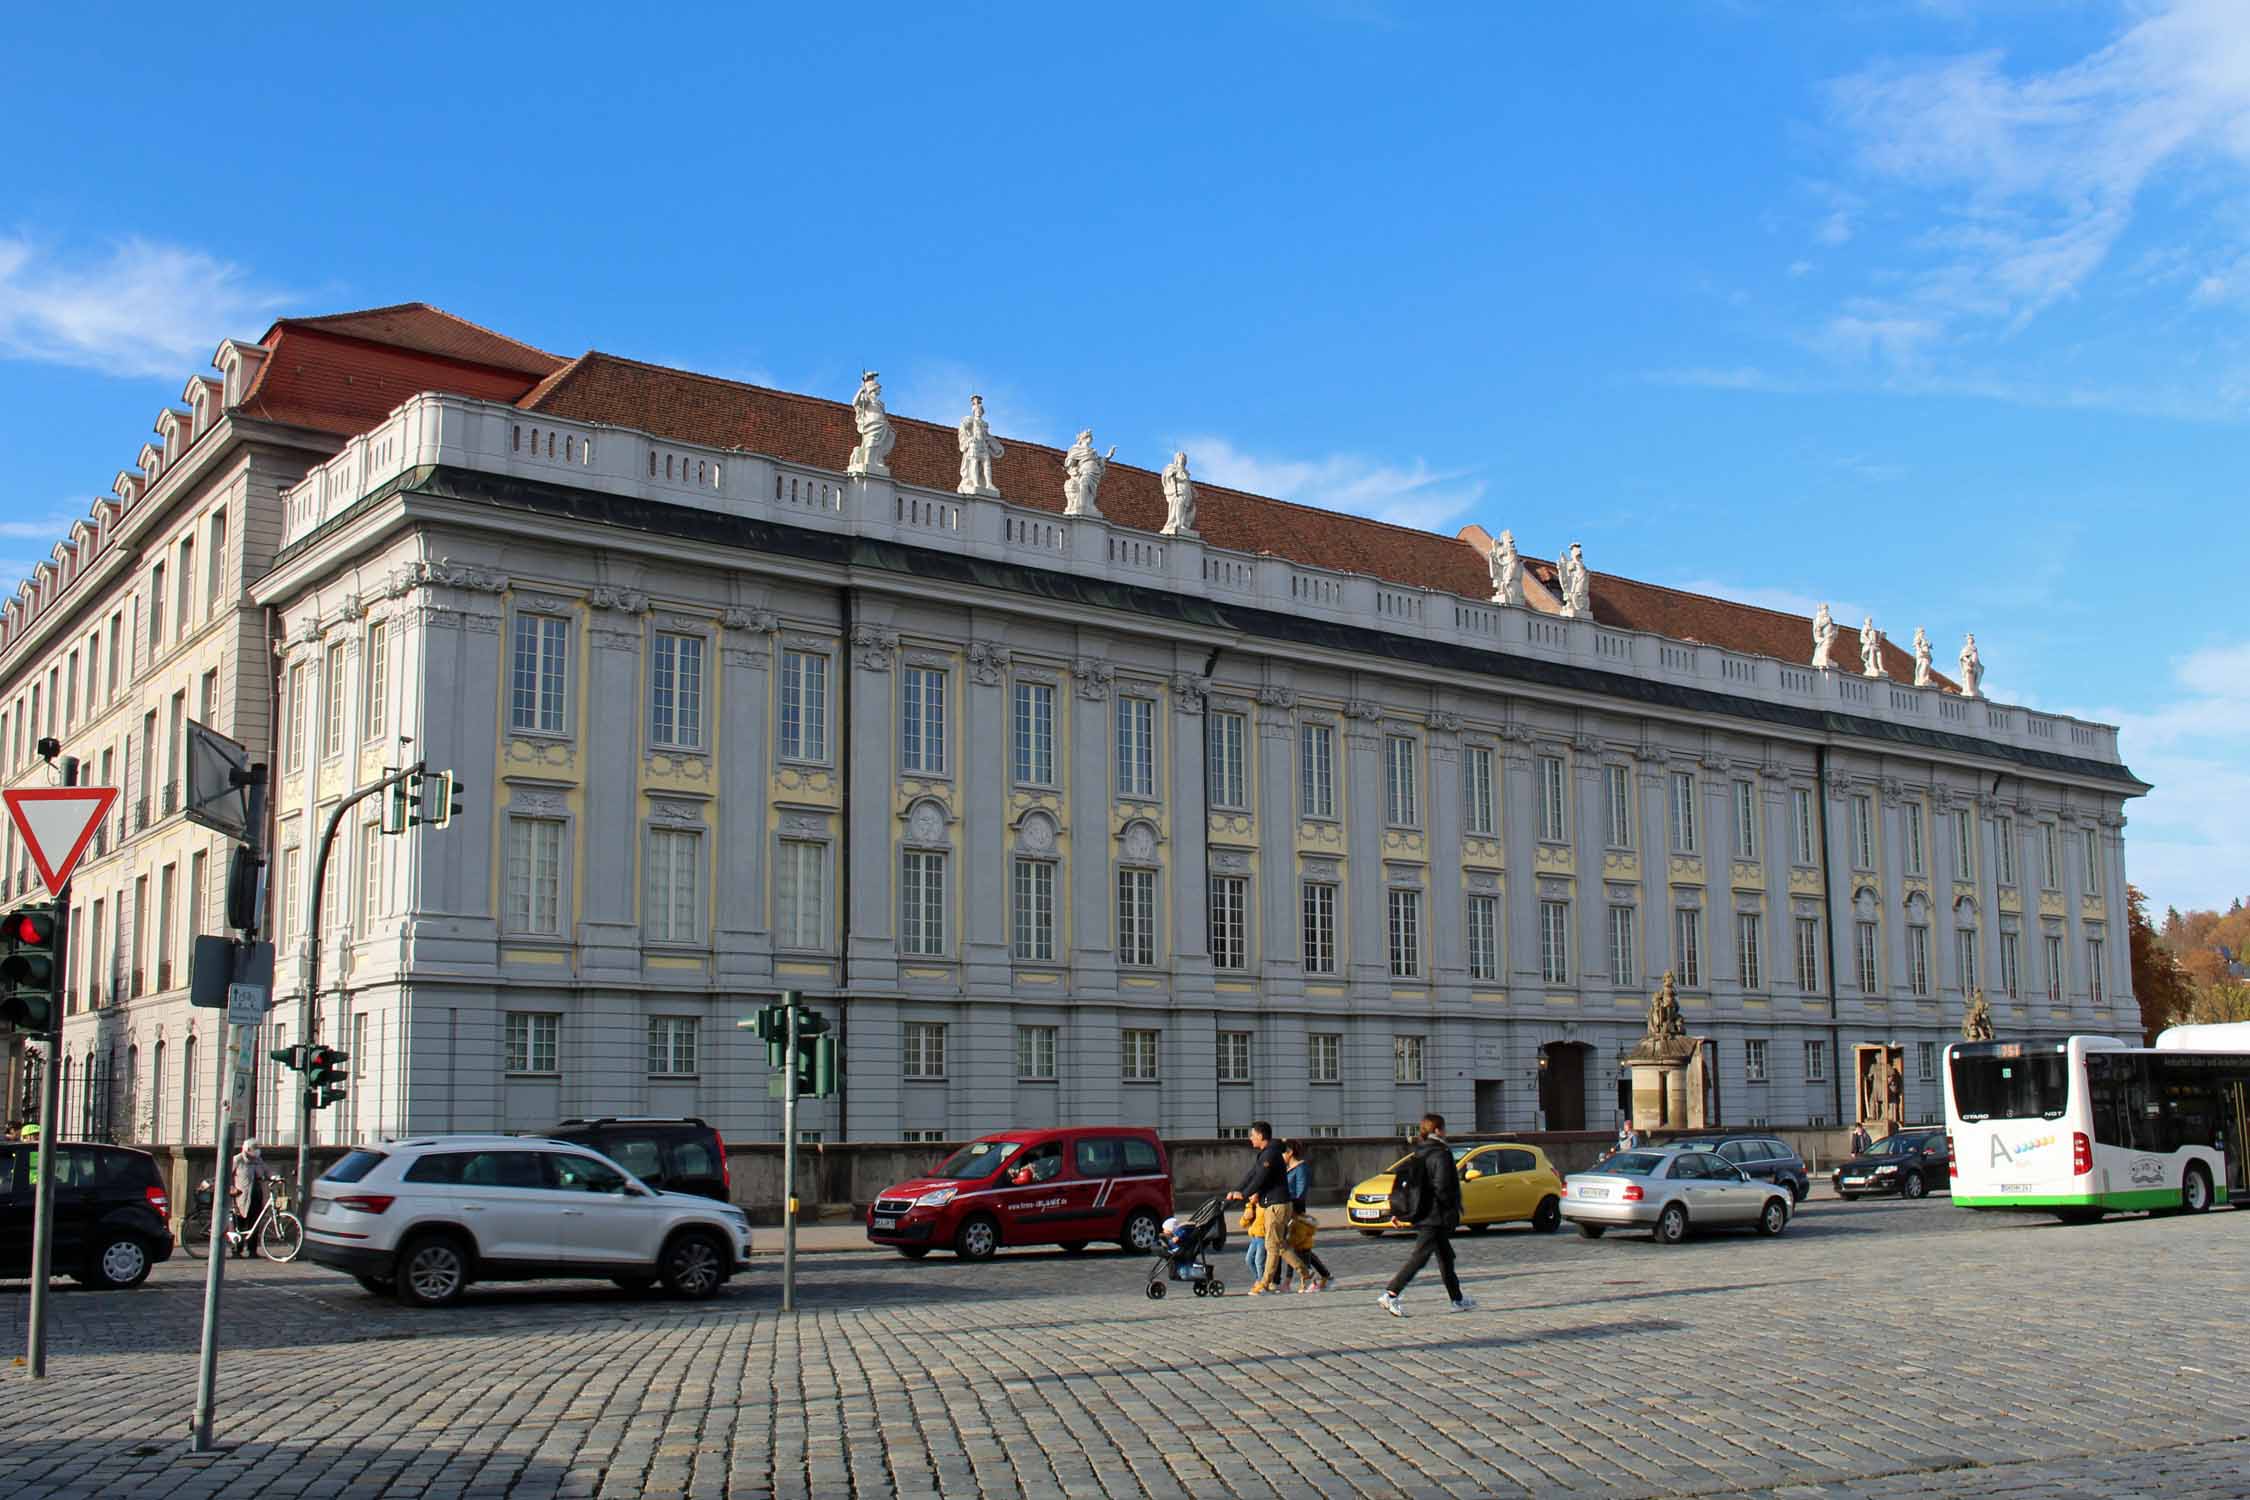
1577	584
874	424
1179	497
979	451
1870	649
1823	639
1972	668
1921	657
1082	476
1507	571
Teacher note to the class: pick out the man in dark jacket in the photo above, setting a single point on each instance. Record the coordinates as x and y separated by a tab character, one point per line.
1267	1190
1438	1211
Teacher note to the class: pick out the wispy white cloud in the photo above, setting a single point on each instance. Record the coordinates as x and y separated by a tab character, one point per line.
144	308
1726	378
1406	494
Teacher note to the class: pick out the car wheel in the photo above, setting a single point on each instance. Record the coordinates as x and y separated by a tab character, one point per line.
1141	1233
1912	1186
1800	1190
694	1265
1775	1218
1074	1247
633	1285
1547	1217
978	1239
1671	1225
2195	1192
432	1270
121	1261
376	1286
913	1252
1593	1231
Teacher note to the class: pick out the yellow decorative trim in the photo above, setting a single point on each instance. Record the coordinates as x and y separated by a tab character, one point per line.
676	963
533	956
1556	858
1490	997
1749	876
925	974
1141	984
1804	882
1621	864
1235	987
1036	978
1686	869
1326	991
804	971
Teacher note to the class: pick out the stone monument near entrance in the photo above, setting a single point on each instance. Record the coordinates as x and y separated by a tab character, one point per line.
1661	1065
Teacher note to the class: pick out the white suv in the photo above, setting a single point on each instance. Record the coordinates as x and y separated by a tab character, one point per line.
424	1218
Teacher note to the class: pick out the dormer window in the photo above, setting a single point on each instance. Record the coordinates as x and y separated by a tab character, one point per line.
201	396
127	488
238	366
151	461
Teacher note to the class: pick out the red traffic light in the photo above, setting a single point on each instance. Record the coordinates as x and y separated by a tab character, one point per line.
35	927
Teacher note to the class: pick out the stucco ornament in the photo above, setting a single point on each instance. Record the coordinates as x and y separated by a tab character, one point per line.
1082	476
874	424
1972	669
1823	639
1577	584
1140	843
1506	564
1039	833
1870	648
987	660
1976	1021
1179	497
980	450
926	824
1921	657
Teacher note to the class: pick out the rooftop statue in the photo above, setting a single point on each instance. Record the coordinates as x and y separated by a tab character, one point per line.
1823	639
1972	669
1870	649
874	424
1082	471
980	450
1921	657
1507	571
1179	497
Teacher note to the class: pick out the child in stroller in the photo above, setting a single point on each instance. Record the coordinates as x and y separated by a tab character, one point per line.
1186	1256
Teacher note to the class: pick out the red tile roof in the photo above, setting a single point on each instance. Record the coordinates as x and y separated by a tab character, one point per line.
430	330
345	373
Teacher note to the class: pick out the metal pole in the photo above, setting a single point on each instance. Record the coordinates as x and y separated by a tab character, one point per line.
789	1161
214	1274
50	1105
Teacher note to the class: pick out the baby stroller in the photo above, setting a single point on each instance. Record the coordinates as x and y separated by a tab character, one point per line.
1187	1253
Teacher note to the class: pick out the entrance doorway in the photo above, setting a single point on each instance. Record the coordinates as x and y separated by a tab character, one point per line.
1491	1117
1562	1085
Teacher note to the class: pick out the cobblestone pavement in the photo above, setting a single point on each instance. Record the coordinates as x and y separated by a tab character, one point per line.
1877	1350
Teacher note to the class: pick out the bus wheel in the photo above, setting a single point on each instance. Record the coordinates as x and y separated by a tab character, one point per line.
2195	1193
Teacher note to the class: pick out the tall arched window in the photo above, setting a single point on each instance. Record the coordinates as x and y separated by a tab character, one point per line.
158	1127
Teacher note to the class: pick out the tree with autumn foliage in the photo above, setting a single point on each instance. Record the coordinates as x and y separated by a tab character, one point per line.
2158	982
2207	952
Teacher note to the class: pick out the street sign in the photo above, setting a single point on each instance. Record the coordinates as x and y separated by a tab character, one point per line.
218	783
247	1004
57	823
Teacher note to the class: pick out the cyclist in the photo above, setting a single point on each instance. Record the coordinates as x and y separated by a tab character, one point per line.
246	1190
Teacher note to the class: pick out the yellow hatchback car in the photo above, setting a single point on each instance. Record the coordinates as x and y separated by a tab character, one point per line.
1503	1183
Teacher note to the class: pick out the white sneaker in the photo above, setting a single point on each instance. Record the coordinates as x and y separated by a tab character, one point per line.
1389	1304
1464	1304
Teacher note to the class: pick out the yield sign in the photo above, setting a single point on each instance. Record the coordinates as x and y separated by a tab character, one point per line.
57	823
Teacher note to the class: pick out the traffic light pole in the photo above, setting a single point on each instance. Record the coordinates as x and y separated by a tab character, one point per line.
789	1164
50	1107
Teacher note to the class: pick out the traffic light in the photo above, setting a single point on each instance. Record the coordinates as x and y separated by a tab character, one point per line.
395	814
447	806
324	1076
28	974
773	1029
291	1057
816	1055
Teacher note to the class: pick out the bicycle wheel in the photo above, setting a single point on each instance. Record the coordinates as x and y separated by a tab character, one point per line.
281	1238
195	1236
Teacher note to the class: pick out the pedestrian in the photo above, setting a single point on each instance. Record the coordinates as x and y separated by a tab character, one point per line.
1254	1243
1267	1187
1628	1139
1859	1140
246	1191
1299	1162
1427	1195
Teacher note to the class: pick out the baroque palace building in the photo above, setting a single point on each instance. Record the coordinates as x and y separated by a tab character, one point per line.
1071	791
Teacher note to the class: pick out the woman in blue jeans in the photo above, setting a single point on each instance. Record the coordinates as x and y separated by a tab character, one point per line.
1298	1161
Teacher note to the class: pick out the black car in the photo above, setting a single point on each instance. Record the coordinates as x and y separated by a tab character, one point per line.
1765	1158
112	1215
1910	1163
673	1155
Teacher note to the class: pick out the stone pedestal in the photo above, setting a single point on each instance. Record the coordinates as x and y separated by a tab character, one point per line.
1662	1098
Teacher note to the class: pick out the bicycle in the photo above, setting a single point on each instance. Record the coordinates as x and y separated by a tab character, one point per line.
277	1233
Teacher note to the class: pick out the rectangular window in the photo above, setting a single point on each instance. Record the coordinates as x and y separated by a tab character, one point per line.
155	608
1320	927
216	588
1910	822
2054	969
538	669
1136	917
2094	969
1484	937
804	705
1745	820
1554	941
800	895
207	698
370	874
922	1053
532	1038
2011	964
921	888
1136	747
1965	957
1918	959
1754	1060
1808	954
1034	738
1964	844
1406	1059
1863	833
332	889
1749	949
1230	922
292	876
1316	770
1476	791
921	721
1324	1056
116	653
1035	911
1617	782
2093	862
1234	1057
1035	1053
70	694
535	875
671	1046
1864	950
167	898
293	737
1687	945
1404	798
1683	811
1816	1062
186	614
375	713
199	882
1622	961
332	697
675	886
1139	1056
1554	827
1406	934
675	691
2004	850
2050	841
1801	819
1925	1062
1223	751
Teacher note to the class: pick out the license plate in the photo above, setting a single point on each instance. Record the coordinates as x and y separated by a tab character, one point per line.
883	1222
1591	1192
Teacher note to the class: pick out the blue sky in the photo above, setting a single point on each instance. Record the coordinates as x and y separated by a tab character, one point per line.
1936	311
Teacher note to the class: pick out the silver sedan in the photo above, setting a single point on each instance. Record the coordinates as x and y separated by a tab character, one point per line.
1669	1190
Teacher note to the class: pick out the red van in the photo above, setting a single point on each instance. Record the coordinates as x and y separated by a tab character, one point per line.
1067	1187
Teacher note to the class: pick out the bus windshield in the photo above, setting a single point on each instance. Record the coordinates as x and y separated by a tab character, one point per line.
2012	1088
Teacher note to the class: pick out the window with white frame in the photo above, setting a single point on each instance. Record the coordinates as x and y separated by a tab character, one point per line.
1925	1062
1136	747
1484	937
1745	820
1225	768
1910	824
1234	1057
2004	850
1406	1058
1476	791
1035	1053
1403	797
293	737
1749	949
1754	1060
1230	922
1816	1062
2011	964
1683	811
292	892
1034	736
1034	911
1405	929
1320	927
370	881
2050	843
922	1137
804	705
535	848
1554	941
1554	826
921	721
2094	970
1623	960
1139	1050
672	1046
376	655
921	889
1136	917
922	1049
1801	819
539	673
800	895
1316	770
675	685
1863	950
1965	959
1687	946
2093	862
674	908
1808	954
532	1038
1918	959
1863	833
2054	969
1617	801
1324	1056
1964	843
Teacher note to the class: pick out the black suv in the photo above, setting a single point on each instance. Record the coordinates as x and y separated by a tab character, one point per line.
1764	1158
672	1155
112	1215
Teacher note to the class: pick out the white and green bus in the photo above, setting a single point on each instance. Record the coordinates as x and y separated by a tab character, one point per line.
2091	1125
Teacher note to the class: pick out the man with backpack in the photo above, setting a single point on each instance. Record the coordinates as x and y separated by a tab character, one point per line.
1426	1193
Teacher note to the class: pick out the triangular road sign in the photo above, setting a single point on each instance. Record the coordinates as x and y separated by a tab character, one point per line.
57	823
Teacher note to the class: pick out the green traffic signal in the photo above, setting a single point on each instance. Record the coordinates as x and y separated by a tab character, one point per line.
448	789
28	975
394	809
291	1057
324	1076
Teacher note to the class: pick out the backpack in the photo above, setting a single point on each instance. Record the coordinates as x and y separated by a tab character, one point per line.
1410	1190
